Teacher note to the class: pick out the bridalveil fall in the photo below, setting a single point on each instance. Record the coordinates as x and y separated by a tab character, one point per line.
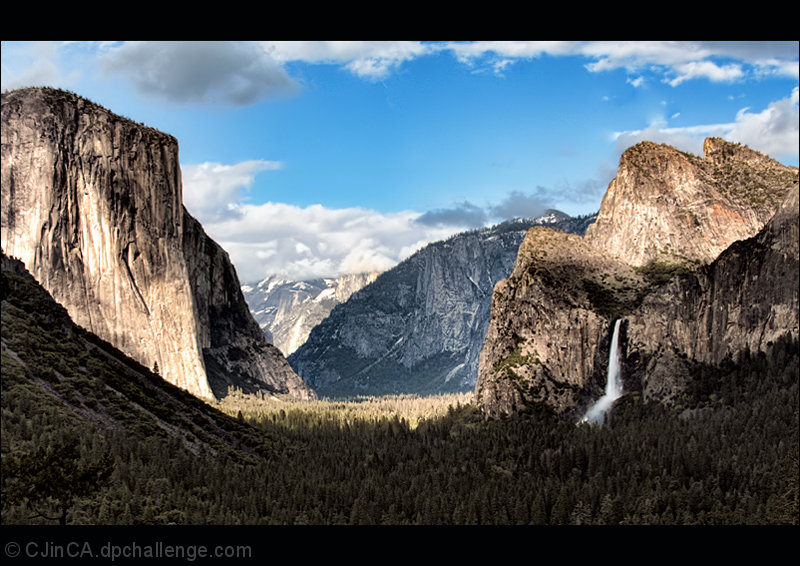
596	412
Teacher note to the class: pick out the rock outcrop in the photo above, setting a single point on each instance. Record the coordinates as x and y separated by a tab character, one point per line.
288	310
666	215
419	327
92	205
549	333
743	302
235	350
665	205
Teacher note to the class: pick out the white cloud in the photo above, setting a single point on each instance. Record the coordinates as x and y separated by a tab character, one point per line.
636	83
367	59
205	72
637	55
778	68
773	131
686	138
706	69
678	61
213	191
468	52
299	242
314	241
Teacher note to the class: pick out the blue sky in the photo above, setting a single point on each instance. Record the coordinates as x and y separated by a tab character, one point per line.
319	158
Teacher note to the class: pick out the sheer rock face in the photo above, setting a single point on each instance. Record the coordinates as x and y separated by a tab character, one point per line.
419	327
92	205
667	205
744	301
549	333
235	351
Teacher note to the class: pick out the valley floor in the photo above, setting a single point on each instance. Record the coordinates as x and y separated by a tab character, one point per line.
150	454
728	456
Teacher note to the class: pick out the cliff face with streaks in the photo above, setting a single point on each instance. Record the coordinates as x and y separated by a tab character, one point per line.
92	205
668	205
743	302
419	327
549	331
679	251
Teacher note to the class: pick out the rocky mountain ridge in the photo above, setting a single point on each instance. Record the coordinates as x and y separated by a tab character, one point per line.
418	328
288	310
549	334
668	205
92	205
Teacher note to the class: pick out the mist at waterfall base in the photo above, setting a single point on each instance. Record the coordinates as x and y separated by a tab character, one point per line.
597	412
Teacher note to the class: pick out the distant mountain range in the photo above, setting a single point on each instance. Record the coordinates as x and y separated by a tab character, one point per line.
287	310
419	327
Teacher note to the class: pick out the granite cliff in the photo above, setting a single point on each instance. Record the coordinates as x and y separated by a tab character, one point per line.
550	323
743	303
666	217
92	205
419	327
666	205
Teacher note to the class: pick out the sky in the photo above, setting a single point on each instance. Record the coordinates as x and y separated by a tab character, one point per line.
316	159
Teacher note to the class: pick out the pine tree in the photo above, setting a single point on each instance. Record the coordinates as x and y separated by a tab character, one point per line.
53	479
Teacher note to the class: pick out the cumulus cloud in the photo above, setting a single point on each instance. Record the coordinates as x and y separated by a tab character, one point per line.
498	55
773	131
778	68
213	192
367	59
314	241
708	70
676	61
299	242
685	60
688	139
208	72
635	82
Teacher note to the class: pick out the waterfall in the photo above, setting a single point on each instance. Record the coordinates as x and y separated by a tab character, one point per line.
597	412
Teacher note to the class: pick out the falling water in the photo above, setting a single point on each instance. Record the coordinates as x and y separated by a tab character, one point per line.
597	412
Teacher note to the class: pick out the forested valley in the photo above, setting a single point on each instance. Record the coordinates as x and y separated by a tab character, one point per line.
148	453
